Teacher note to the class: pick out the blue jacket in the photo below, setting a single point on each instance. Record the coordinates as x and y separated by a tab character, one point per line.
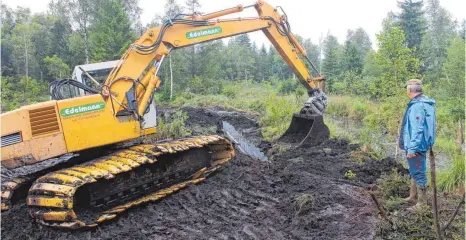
418	129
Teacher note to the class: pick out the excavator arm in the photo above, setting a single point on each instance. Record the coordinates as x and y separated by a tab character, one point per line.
136	73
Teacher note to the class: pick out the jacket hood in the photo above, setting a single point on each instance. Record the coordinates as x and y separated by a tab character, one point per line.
422	98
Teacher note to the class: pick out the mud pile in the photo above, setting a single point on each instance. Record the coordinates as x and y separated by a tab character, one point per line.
247	199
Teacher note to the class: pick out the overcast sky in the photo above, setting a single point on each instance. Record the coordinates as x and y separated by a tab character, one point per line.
308	18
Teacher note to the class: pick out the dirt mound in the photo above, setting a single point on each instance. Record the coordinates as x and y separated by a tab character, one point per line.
247	199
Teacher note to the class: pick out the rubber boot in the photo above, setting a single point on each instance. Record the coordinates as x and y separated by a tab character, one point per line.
412	193
421	200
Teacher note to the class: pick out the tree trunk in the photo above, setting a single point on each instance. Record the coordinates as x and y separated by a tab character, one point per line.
193	64
171	77
26	56
399	123
86	42
434	194
246	77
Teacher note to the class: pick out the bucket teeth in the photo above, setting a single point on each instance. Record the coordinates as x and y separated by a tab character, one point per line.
52	197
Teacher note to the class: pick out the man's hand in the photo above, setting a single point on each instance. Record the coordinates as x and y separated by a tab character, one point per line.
411	155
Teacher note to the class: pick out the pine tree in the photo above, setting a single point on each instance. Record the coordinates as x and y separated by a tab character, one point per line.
263	70
412	22
313	52
330	64
352	59
361	40
112	34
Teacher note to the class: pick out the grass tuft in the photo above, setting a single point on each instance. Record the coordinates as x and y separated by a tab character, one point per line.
452	179
303	203
172	127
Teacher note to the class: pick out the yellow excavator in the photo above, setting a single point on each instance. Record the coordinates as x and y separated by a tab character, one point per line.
95	190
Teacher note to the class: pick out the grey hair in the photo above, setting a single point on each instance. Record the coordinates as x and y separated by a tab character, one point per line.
415	88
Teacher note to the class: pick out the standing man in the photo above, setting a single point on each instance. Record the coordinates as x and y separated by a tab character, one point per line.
417	136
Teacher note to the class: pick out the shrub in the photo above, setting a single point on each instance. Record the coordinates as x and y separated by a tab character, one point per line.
172	127
277	115
393	185
337	106
288	86
339	88
205	86
350	175
257	106
359	110
229	91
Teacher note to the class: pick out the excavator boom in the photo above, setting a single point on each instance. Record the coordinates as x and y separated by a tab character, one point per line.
147	53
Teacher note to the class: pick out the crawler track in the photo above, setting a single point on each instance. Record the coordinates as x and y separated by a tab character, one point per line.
91	193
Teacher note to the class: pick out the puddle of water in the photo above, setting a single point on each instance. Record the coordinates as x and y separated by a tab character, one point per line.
242	143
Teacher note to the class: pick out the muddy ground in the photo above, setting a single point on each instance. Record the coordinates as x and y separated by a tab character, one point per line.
248	198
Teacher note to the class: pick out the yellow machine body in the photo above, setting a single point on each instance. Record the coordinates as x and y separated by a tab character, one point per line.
45	130
46	133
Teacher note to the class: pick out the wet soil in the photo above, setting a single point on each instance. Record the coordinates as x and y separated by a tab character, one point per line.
246	199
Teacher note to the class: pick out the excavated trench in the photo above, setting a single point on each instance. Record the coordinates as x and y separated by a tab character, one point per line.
246	199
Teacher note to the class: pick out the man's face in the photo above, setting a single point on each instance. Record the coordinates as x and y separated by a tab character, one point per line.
407	90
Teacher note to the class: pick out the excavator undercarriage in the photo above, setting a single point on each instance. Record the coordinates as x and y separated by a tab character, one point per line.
96	191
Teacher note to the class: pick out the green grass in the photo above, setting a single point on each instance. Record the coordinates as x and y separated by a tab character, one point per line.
446	145
452	179
171	127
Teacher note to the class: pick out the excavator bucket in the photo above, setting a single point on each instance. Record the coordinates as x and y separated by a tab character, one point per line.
306	130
